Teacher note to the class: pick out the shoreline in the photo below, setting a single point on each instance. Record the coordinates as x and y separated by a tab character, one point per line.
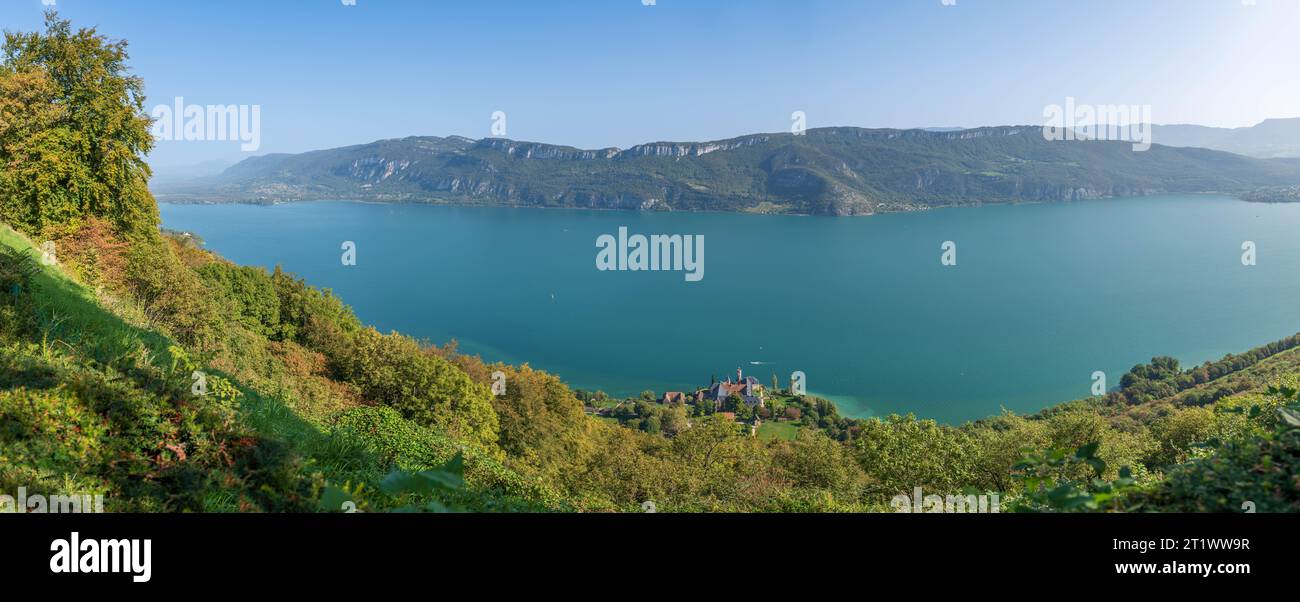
162	199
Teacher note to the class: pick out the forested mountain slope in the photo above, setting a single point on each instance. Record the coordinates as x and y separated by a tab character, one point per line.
836	171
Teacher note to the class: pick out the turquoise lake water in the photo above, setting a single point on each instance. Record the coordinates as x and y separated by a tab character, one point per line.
1041	296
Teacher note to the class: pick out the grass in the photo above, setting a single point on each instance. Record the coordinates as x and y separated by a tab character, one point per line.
71	318
777	430
124	427
75	335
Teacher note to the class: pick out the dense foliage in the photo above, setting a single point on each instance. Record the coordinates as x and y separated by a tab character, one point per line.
119	418
1259	473
1162	378
422	386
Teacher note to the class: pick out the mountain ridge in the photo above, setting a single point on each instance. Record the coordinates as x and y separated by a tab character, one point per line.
834	171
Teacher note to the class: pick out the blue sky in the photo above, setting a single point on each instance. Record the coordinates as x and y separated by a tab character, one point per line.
596	73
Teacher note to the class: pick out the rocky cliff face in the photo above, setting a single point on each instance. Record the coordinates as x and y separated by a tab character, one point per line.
693	149
533	150
374	170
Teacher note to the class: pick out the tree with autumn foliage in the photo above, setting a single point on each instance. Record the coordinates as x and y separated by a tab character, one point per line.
73	132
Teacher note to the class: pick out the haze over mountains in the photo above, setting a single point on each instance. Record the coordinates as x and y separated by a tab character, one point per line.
1271	138
166	175
835	171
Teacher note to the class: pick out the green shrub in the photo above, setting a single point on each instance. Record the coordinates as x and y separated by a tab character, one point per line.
1078	428
900	453
140	436
247	293
410	446
171	294
816	461
18	269
1061	480
425	388
1260	473
1177	435
310	316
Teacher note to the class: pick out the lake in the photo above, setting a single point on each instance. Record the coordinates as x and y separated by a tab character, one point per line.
1040	298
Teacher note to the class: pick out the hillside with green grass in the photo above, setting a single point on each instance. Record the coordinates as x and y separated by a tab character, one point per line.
98	401
136	365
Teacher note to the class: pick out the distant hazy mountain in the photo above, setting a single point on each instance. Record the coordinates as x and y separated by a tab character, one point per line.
839	171
1270	139
175	174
